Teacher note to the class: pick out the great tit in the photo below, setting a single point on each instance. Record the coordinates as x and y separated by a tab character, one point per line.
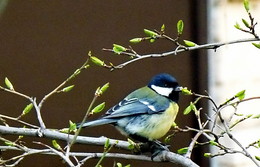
147	113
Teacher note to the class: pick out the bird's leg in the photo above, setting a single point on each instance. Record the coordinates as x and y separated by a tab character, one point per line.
157	147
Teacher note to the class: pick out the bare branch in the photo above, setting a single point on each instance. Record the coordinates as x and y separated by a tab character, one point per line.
175	52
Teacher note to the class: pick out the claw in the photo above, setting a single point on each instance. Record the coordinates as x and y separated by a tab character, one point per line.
157	147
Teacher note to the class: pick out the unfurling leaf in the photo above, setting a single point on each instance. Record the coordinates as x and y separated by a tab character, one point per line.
67	89
27	109
249	115
8	84
257	158
56	145
118	164
207	155
187	110
257	45
162	28
213	143
118	48
65	130
132	144
97	61
98	108
185	91
183	150
189	43
167	139
237	26
152	40
150	33
77	72
190	108
257	116
136	40
107	144
246	23
240	95
104	88
9	143
246	5
72	126
180	27
258	143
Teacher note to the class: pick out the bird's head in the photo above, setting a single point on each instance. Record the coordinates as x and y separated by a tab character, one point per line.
165	85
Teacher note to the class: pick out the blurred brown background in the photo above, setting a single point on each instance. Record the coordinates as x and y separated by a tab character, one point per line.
43	42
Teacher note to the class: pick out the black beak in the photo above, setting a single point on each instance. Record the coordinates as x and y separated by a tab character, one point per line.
178	88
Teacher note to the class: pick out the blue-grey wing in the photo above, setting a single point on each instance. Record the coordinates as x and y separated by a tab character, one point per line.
134	106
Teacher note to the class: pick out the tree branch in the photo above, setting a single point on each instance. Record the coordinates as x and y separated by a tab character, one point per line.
177	51
54	134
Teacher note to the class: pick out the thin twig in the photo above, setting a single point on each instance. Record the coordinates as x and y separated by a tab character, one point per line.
20	121
175	52
63	83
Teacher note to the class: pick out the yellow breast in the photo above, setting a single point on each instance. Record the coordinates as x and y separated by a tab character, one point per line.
159	124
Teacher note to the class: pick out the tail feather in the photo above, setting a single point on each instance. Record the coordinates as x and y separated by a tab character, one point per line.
97	123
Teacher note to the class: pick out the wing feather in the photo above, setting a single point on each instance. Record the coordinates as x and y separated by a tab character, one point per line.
136	104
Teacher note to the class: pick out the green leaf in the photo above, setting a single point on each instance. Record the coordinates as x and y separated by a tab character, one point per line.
246	23
257	116
189	43
20	137
129	165
98	108
104	88
167	139
152	40
68	88
207	155
131	144
65	130
257	45
180	27
150	33
187	110
257	158
246	5
77	72
97	61
107	144
240	95
174	125
185	91
162	28
136	40
237	26
118	48
213	143
72	126
118	164
190	108
183	150
8	84
249	115
9	143
27	109
258	143
56	145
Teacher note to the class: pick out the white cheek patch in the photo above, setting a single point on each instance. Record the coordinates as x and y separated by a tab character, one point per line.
162	90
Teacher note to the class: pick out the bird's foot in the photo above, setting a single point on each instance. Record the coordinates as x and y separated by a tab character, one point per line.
157	147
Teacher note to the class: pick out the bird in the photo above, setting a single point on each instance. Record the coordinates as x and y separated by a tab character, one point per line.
147	113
